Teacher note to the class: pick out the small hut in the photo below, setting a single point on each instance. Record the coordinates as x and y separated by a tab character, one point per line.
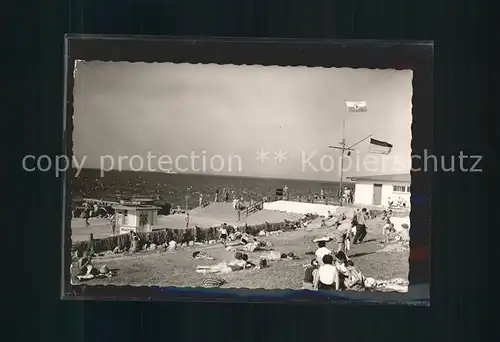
137	215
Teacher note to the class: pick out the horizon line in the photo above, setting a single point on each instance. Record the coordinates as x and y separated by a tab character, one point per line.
218	175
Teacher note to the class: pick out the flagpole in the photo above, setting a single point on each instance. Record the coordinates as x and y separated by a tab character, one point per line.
342	158
343	148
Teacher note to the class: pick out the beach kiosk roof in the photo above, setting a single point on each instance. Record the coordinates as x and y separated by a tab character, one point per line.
394	178
135	207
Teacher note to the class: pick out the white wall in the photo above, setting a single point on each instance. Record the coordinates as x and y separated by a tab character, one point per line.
133	220
363	193
386	194
301	207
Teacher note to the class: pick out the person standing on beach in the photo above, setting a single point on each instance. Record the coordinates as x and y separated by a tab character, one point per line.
216	195
285	193
227	197
86	216
201	200
112	221
361	227
187	220
223	234
341	235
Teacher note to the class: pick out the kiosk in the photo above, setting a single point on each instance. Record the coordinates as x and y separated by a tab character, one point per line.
137	215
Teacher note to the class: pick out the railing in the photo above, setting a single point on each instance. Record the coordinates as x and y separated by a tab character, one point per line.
254	207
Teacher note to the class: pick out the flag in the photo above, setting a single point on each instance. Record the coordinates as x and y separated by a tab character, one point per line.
380	147
356	107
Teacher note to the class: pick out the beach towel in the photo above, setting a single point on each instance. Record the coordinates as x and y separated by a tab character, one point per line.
271	255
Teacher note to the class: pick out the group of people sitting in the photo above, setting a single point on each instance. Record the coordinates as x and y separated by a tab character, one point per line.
333	272
85	269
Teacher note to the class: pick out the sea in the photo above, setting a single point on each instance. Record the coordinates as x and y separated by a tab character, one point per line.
177	189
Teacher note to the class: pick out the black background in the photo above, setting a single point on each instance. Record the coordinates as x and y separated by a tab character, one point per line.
461	222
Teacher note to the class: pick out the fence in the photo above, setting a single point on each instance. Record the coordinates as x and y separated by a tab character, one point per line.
259	205
159	237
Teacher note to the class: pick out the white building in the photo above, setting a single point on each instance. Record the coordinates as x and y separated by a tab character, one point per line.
384	190
138	216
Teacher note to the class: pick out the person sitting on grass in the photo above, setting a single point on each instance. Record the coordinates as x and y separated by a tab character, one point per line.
321	251
84	262
326	277
309	272
354	281
240	262
340	265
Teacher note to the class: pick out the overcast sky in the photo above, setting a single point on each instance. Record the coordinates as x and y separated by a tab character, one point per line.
126	109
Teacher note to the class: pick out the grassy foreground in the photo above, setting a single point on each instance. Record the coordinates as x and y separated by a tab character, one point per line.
176	268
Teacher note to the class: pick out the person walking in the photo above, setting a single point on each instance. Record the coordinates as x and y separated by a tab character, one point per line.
112	222
361	227
86	216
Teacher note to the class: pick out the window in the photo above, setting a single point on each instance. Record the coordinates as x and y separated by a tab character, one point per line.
408	189
398	188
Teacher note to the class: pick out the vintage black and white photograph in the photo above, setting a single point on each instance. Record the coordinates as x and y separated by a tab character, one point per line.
241	176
